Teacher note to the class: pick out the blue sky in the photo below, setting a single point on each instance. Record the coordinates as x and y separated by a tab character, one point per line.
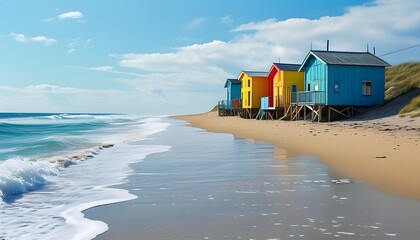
172	57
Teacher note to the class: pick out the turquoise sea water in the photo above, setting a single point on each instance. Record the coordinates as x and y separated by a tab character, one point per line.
54	166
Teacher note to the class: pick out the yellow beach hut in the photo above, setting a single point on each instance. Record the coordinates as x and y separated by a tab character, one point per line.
287	81
255	85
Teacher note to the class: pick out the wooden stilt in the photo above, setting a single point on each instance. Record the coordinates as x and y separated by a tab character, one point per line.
329	114
320	113
342	111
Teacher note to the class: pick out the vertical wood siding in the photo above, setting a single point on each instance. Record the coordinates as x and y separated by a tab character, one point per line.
349	80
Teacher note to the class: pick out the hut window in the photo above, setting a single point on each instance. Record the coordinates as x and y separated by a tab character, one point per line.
367	88
249	82
337	87
316	87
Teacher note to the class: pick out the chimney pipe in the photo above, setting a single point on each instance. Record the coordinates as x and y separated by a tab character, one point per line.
328	45
367	47
374	51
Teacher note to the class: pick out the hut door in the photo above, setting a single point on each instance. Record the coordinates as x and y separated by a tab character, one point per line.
293	95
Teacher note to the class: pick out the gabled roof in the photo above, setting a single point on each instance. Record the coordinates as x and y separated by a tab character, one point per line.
284	67
232	81
287	66
255	73
347	58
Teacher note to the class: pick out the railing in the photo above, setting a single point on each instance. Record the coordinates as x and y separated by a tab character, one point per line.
313	97
230	104
270	102
293	97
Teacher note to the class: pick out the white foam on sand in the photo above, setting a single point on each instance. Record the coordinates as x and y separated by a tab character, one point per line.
75	217
55	210
56	213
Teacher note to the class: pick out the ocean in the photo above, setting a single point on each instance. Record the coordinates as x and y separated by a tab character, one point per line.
54	166
85	176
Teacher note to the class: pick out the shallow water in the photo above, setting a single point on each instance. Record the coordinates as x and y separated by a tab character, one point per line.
52	167
213	186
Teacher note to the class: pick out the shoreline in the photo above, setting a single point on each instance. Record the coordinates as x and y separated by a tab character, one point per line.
383	152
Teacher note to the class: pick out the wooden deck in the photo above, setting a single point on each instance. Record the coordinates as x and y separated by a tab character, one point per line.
230	107
312	105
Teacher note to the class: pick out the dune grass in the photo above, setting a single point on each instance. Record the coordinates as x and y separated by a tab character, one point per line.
413	105
401	79
416	114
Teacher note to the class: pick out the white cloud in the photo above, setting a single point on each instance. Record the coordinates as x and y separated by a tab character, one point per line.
77	43
387	24
52	98
260	43
44	87
70	15
226	19
103	68
142	99
215	56
19	37
25	39
43	39
46	20
112	70
37	88
196	23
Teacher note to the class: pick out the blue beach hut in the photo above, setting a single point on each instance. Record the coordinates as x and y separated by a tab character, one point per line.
232	103
233	91
340	81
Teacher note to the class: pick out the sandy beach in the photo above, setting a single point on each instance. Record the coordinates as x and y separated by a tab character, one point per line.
216	186
384	152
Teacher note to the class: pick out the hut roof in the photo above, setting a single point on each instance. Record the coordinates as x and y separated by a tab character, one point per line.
348	58
232	81
287	66
255	73
282	66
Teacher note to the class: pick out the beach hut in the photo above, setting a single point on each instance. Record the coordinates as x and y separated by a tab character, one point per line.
233	92
232	103
286	80
335	82
254	86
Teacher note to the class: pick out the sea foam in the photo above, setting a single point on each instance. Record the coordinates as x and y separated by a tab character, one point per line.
19	175
45	199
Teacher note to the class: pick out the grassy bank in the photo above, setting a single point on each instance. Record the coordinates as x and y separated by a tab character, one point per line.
401	79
